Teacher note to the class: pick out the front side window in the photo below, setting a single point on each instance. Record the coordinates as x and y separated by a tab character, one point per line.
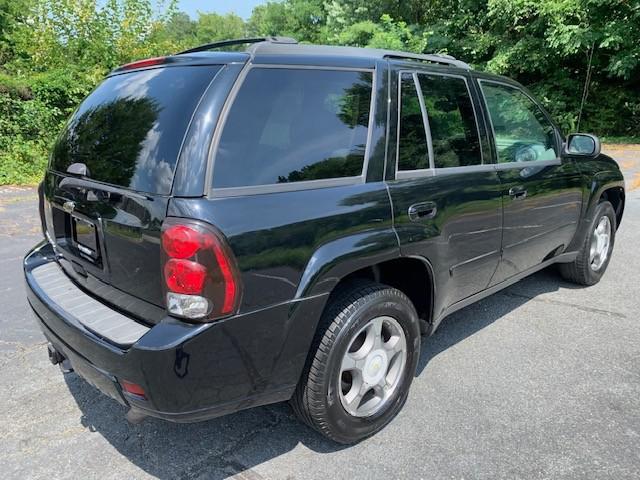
452	123
522	132
292	125
413	153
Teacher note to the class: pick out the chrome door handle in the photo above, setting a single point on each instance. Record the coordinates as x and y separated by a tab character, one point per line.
422	211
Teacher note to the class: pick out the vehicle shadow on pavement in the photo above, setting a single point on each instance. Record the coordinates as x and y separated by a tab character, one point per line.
214	449
233	444
466	322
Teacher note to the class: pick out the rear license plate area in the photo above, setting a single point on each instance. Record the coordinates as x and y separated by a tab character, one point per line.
85	238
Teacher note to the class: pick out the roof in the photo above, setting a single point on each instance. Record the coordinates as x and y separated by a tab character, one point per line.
289	46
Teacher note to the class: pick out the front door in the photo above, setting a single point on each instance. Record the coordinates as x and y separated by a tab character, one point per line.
541	192
447	201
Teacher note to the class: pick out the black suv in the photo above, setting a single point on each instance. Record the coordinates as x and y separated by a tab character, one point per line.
232	229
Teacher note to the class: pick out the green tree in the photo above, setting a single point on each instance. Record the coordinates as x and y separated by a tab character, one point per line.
386	34
211	27
181	29
303	19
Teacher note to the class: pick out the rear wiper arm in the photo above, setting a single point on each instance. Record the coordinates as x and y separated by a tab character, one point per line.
79	169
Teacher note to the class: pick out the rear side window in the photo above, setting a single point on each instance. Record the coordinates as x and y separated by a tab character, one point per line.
413	153
292	125
129	130
454	133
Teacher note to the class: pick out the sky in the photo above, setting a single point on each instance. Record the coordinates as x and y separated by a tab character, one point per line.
239	7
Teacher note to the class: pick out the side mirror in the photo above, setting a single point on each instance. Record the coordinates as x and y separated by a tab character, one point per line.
582	144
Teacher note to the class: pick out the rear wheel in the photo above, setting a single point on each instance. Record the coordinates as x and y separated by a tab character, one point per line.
362	363
595	253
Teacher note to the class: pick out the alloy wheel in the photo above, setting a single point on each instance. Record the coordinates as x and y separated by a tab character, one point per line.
372	367
599	251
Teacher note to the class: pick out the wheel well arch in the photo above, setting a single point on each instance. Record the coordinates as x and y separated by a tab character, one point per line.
615	196
413	276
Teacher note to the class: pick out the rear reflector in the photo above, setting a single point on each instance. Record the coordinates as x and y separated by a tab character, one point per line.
133	388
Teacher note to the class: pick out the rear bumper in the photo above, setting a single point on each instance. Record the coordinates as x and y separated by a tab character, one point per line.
188	372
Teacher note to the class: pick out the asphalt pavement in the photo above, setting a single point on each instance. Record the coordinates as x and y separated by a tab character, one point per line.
541	380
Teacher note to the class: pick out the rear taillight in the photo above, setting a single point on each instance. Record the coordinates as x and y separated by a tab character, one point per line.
200	276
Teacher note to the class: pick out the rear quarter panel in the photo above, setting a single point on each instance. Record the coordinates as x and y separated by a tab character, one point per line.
295	244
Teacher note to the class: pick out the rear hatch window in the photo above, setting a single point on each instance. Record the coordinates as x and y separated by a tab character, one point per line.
128	131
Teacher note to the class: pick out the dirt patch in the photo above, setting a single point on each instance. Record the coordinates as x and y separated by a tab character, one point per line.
628	147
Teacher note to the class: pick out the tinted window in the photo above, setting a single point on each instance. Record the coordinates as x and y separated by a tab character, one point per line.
454	134
289	125
522	132
129	130
412	140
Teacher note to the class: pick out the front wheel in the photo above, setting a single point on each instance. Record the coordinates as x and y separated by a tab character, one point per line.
595	253
362	363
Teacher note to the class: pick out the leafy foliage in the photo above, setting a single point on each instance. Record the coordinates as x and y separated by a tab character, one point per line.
54	52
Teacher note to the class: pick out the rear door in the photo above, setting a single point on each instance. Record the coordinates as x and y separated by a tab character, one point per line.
110	177
446	193
542	193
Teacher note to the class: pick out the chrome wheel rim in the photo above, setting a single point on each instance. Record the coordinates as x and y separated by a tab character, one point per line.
600	240
372	367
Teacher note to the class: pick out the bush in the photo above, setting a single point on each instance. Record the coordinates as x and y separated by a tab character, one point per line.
23	162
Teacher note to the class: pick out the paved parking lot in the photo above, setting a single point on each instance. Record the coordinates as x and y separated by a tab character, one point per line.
541	380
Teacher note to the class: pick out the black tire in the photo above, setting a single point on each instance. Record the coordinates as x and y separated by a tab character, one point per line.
580	270
316	400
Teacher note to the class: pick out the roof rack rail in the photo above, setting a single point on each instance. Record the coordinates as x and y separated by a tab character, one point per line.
239	41
430	57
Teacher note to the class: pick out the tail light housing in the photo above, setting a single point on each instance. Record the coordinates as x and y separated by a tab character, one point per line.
201	278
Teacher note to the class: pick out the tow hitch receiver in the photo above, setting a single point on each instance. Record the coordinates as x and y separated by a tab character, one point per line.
56	358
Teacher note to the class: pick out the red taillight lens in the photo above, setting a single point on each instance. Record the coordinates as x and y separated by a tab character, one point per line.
181	241
184	276
230	288
132	388
200	273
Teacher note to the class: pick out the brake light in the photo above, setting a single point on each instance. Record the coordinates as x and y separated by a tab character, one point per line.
200	275
147	62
